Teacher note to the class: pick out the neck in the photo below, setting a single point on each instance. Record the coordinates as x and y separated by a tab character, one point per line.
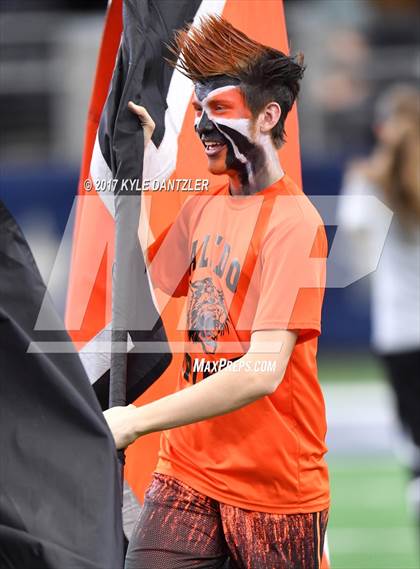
264	177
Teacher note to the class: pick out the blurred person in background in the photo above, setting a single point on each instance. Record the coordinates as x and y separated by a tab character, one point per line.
392	174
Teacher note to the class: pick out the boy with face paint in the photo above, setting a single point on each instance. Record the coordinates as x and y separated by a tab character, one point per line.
236	143
241	480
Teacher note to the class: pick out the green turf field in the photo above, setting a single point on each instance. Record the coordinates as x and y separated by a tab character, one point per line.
370	527
356	367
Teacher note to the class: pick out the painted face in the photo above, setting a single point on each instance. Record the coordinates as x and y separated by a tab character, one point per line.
225	124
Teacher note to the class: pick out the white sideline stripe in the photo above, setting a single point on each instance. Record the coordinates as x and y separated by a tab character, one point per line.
371	540
359	404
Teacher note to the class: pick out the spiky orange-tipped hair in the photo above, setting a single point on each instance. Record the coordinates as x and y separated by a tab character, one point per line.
214	47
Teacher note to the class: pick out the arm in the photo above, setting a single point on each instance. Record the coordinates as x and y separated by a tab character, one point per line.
221	393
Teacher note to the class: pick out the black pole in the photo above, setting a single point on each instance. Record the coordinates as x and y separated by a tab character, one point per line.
118	383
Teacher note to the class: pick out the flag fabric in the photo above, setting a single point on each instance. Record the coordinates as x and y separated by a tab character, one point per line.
142	75
174	153
60	503
107	255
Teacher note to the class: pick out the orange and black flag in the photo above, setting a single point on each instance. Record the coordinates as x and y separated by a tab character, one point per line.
108	216
113	151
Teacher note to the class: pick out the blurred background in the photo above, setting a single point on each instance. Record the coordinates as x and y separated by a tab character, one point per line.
355	50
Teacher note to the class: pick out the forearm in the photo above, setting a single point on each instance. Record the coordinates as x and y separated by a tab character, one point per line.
221	393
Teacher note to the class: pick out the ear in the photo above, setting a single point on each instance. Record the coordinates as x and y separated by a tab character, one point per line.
269	117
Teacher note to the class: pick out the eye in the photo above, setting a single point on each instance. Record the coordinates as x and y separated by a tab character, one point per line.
219	108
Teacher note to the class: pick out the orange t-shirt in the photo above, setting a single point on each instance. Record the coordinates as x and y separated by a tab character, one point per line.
249	263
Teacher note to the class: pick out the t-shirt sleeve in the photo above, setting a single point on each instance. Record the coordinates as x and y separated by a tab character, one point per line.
168	258
292	278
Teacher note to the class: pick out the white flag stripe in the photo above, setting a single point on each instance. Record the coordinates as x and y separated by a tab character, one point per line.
95	359
100	172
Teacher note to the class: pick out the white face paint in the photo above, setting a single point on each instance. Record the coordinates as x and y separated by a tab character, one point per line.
225	106
232	95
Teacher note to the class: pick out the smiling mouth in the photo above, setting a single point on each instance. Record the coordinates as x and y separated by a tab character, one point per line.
213	148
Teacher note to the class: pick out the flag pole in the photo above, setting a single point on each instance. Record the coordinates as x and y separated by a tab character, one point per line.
127	201
127	165
118	384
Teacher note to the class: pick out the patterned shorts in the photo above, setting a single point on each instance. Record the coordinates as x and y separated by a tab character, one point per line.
179	528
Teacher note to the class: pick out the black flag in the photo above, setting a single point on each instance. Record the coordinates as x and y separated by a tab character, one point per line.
60	505
142	75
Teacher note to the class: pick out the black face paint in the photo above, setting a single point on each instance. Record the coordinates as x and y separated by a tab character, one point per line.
204	88
208	131
254	154
206	128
